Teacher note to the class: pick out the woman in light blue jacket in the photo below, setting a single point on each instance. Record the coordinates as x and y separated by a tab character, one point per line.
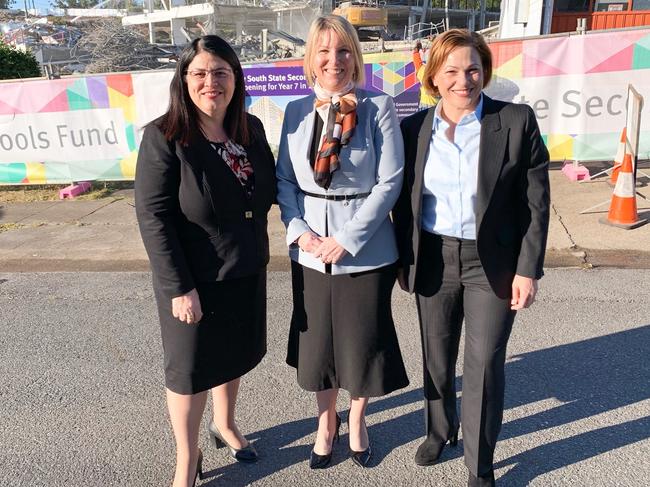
339	174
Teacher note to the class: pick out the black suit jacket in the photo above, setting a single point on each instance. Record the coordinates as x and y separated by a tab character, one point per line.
196	222
513	197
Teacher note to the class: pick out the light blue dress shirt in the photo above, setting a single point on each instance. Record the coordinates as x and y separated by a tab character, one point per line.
450	177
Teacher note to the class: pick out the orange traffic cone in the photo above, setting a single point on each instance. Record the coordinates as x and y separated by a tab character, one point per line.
618	159
622	210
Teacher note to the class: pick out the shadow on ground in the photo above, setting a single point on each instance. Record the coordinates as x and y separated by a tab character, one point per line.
589	377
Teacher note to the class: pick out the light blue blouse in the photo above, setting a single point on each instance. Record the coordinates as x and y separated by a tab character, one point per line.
450	177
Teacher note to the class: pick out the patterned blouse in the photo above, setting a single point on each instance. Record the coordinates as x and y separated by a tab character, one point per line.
234	155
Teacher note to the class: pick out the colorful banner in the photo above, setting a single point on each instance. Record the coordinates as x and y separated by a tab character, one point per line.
73	129
88	128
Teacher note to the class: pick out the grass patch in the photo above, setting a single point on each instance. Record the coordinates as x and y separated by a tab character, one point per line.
50	192
6	227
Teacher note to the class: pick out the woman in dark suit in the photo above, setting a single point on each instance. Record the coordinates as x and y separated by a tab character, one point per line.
471	223
204	185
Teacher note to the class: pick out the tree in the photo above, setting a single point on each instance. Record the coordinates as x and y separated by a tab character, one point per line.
4	4
15	64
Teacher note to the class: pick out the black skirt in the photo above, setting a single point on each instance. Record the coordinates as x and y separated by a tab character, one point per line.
342	332
229	341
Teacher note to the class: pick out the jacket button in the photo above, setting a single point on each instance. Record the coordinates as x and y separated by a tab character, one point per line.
248	215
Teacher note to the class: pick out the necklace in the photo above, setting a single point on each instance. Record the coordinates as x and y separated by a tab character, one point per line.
216	140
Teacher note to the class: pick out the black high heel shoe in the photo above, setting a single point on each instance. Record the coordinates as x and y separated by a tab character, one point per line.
361	458
429	451
248	454
317	461
199	468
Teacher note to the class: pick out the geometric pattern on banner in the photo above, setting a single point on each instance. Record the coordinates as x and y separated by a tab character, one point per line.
503	54
543	57
130	136
43	96
127	165
112	170
393	78
532	67
641	57
98	91
126	103
644	41
559	145
580	54
78	98
620	61
6	109
510	69
594	147
13	173
121	83
57	104
36	173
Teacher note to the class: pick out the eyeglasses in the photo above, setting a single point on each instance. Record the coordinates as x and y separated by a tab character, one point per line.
219	74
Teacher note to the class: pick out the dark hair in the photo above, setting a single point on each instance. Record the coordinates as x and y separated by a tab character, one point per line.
446	42
181	122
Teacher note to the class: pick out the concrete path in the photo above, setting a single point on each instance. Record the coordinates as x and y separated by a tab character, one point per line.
102	234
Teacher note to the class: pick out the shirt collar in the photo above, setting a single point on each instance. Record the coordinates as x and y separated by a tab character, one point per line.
477	114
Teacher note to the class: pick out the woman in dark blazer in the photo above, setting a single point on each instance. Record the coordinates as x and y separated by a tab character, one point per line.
205	182
471	224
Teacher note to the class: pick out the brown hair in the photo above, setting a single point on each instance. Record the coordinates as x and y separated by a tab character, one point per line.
444	44
348	36
181	121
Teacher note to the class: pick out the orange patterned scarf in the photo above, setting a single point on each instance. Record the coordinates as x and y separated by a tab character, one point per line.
340	122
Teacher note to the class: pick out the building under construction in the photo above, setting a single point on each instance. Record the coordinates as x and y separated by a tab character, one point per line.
238	19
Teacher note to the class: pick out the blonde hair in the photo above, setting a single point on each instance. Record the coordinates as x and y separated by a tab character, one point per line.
444	44
346	33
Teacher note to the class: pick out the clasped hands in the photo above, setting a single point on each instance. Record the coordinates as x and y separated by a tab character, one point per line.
327	249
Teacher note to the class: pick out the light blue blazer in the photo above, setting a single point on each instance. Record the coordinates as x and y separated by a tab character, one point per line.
372	162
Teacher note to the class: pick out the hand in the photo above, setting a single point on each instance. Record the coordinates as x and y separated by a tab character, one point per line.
329	251
308	242
524	290
187	308
401	279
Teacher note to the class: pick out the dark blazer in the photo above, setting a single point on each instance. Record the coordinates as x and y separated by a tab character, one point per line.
196	222
513	199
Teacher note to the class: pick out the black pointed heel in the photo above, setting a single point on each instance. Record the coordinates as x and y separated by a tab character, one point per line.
248	454
199	468
361	458
317	461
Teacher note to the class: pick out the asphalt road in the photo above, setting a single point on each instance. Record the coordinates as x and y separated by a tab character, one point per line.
82	404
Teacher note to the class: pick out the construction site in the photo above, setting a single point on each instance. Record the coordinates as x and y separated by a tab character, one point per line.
149	36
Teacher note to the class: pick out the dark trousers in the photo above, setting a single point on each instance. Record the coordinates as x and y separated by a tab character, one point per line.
451	286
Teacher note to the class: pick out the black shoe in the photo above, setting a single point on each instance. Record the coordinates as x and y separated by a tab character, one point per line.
199	468
317	461
485	480
429	451
361	458
248	454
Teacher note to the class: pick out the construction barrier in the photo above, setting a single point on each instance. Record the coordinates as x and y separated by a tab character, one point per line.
89	127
